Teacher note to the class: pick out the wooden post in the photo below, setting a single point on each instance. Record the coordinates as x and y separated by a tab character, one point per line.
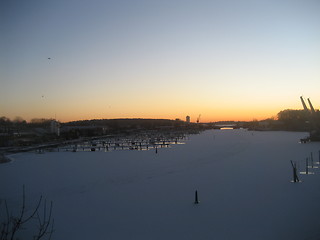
307	166
196	201
295	176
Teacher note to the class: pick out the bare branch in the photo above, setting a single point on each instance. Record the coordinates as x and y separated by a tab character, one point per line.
34	212
5	224
45	223
17	221
11	225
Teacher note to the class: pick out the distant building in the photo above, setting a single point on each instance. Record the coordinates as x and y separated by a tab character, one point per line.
188	119
55	127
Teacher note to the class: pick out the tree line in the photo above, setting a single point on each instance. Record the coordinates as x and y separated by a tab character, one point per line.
290	119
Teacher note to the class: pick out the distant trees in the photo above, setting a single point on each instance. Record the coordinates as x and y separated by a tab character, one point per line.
5	124
123	124
40	122
19	132
297	120
4	120
19	122
293	115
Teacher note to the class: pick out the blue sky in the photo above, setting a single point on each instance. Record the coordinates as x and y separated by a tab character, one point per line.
234	60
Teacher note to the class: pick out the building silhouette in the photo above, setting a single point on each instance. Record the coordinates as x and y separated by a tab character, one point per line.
188	119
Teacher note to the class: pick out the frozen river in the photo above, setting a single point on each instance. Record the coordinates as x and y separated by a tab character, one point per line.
243	179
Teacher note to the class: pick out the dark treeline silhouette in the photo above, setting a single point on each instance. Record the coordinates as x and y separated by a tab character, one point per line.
98	127
295	120
115	123
301	120
18	132
127	123
20	122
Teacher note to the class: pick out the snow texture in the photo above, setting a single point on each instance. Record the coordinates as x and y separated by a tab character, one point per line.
243	179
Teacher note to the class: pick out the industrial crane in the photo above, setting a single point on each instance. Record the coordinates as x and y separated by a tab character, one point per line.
312	111
304	104
314	120
198	119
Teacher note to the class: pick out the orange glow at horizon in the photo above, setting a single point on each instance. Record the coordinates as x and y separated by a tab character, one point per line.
154	107
212	116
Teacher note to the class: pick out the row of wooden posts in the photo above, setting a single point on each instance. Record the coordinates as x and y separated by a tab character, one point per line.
309	163
122	144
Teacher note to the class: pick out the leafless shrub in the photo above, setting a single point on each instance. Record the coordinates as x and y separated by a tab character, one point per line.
41	217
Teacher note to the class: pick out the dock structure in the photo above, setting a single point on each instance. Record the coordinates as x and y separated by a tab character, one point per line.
134	142
144	140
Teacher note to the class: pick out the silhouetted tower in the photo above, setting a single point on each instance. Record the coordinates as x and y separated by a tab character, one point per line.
198	119
188	119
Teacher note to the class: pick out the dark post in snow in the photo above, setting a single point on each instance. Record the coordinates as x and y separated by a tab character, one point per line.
156	150
196	198
311	158
307	166
295	175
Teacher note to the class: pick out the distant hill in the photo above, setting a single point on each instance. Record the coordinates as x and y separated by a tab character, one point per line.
126	122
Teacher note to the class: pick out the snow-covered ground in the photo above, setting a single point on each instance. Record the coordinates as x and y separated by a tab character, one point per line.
243	180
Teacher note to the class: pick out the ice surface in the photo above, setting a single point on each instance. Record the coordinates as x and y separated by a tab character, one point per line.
243	180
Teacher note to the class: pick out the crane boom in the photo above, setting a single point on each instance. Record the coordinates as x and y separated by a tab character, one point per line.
314	121
304	104
311	107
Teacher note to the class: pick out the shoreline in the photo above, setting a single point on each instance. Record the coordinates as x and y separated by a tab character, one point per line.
4	159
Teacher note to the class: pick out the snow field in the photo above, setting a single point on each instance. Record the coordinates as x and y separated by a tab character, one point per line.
243	179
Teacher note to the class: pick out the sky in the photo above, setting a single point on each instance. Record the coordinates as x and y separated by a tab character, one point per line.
223	59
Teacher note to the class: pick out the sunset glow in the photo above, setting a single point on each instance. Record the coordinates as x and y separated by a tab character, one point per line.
225	60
